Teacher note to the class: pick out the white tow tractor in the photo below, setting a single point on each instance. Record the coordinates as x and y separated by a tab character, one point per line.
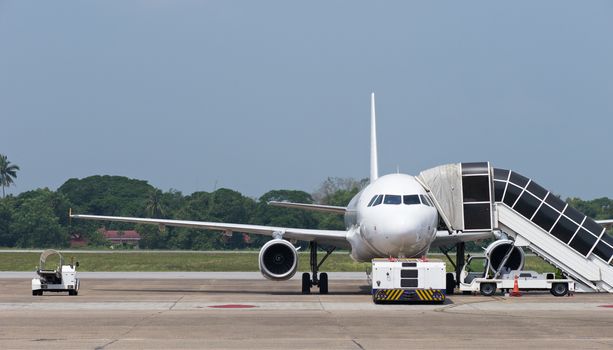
478	276
61	279
403	280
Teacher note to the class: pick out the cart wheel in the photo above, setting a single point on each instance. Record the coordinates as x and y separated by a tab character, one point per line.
559	289
488	289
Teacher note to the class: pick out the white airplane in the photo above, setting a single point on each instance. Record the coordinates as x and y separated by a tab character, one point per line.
391	217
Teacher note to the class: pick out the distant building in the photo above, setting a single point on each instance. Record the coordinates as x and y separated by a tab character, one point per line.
77	241
130	237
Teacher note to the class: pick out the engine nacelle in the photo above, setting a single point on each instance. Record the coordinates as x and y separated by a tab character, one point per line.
496	252
278	260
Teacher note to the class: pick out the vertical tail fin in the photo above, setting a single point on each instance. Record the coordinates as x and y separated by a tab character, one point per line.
374	168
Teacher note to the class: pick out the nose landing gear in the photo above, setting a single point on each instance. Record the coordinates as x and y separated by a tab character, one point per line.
322	280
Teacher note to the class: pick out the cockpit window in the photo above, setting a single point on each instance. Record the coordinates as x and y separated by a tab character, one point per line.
392	199
425	200
411	199
408	199
378	200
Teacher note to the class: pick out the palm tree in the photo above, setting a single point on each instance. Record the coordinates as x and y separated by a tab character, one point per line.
8	172
154	207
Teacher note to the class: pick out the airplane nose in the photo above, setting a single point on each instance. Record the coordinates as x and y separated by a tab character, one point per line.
396	236
403	230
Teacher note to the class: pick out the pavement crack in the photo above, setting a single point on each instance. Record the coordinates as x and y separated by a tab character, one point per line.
448	308
129	330
105	345
339	324
176	302
358	344
139	322
322	305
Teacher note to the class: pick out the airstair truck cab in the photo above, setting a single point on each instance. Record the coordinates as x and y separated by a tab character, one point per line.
62	278
402	280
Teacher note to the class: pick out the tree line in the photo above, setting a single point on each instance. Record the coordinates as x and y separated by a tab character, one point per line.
39	218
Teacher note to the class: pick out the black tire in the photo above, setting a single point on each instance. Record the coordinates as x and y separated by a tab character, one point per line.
450	284
35	293
488	289
306	283
323	283
559	289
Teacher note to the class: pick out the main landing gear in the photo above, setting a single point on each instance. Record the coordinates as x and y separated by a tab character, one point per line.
453	281
322	281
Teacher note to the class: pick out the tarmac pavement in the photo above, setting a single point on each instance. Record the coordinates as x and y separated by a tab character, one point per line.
239	313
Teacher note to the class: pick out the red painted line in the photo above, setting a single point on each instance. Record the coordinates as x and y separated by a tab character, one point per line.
608	306
232	306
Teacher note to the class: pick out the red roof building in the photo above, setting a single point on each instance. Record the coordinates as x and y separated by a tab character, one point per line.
120	237
76	240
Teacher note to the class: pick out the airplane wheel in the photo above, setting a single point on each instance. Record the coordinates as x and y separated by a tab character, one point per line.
450	283
559	289
306	283
323	283
488	289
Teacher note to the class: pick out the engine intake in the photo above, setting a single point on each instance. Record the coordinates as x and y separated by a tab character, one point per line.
496	252
278	260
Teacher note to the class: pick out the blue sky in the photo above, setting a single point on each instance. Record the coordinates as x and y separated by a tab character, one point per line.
264	95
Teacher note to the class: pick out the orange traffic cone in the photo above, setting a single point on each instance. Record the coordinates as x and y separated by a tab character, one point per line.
515	292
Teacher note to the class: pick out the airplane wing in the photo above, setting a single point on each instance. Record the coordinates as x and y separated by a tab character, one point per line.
314	207
606	223
331	237
443	238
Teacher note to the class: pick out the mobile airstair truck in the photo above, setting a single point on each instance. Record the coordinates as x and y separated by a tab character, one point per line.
477	276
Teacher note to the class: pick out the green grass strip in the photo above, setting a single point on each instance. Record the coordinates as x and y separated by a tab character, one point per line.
197	261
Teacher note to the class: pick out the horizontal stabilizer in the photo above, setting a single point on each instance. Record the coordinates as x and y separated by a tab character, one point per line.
605	223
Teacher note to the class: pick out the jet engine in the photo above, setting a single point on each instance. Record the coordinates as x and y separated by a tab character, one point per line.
496	252
278	260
